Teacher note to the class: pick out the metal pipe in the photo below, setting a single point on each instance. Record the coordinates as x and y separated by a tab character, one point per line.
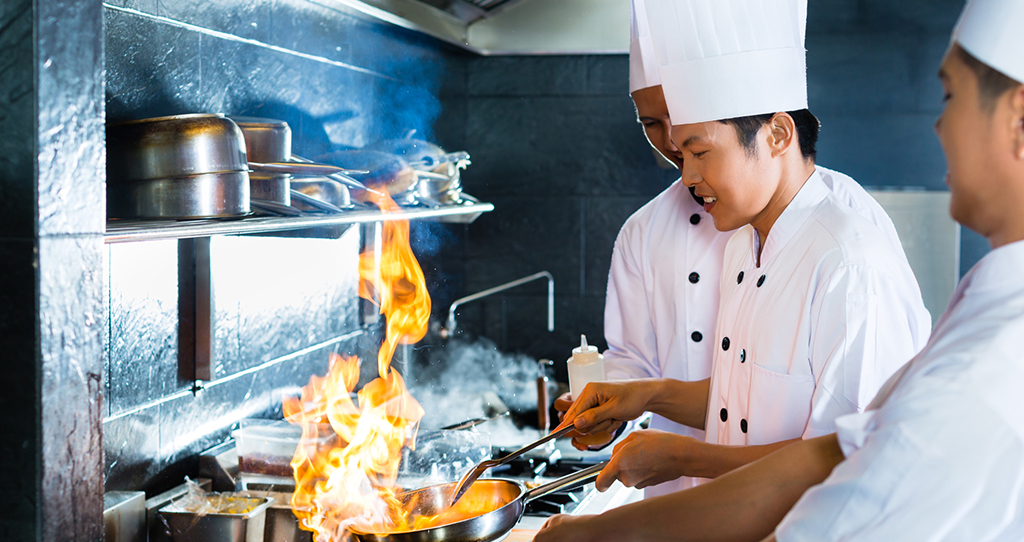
451	326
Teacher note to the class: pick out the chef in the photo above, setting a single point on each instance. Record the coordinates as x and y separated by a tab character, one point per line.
663	286
938	453
816	308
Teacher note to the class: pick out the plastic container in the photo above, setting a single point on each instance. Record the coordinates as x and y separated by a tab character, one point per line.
586	365
268	446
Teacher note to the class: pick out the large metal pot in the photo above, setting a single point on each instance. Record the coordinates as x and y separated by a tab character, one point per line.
508	500
267	140
184	166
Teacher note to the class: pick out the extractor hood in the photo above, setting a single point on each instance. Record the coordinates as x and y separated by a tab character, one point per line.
497	27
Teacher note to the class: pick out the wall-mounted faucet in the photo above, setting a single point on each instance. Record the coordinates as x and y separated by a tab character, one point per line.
449	329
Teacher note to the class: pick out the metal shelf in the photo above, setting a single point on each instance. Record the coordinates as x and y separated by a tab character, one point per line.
126	231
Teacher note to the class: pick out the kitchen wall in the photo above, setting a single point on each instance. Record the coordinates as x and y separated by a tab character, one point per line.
282	304
559	153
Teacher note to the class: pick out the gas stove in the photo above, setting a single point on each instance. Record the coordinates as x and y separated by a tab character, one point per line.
539	470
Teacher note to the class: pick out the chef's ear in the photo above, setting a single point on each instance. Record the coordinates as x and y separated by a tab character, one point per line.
1017	109
782	136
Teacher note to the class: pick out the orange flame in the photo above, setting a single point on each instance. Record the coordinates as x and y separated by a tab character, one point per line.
354	482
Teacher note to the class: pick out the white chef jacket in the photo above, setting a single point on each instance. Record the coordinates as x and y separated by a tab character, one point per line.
939	454
815	330
663	290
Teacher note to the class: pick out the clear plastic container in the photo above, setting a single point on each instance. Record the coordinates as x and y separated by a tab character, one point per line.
268	446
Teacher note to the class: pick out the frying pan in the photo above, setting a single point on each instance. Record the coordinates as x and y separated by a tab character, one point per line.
507	500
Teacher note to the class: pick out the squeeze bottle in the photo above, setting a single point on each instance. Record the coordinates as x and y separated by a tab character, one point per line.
585	365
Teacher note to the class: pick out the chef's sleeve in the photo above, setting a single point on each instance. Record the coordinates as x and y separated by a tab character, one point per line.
628	328
927	465
864	328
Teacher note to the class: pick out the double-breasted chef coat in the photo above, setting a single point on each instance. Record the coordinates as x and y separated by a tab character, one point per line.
663	290
939	453
812	331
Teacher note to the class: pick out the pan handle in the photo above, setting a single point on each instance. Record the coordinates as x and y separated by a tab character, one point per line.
577	478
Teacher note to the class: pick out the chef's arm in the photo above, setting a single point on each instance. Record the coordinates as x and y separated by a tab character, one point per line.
745	504
606	404
714	460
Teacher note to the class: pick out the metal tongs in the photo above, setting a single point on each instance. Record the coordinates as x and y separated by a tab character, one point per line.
479	469
342	176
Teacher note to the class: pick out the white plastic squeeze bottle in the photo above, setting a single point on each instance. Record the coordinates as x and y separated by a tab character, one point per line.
585	365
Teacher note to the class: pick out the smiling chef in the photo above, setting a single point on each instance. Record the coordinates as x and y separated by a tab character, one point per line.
663	286
817	307
939	452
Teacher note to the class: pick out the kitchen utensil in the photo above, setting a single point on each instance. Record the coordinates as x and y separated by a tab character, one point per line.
170	147
185	166
385	171
508	500
211	195
478	470
269	207
315	203
473	422
124	516
293	168
343	179
324	190
218	526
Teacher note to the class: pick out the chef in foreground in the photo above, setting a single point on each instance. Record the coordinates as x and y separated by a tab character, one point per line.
939	452
817	308
663	286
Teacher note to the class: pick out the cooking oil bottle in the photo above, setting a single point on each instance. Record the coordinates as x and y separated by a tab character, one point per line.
585	365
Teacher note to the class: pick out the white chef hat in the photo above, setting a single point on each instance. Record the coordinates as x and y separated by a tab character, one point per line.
721	59
643	64
993	32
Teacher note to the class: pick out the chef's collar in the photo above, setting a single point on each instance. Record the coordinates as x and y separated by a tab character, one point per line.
998	270
792	217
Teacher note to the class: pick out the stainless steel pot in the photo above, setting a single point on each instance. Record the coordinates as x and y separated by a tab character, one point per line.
508	500
267	140
185	166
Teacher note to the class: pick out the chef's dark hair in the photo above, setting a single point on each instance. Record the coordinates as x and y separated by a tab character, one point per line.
807	126
992	83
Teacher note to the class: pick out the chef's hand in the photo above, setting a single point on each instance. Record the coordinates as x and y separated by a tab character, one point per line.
648	457
603	406
582	441
564	528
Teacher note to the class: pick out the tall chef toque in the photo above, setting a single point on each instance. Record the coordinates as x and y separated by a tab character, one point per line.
993	32
643	64
722	59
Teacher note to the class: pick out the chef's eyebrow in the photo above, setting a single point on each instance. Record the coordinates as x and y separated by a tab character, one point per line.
691	140
943	74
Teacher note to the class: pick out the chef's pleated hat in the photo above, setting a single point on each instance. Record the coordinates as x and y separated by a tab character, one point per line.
643	63
722	59
993	32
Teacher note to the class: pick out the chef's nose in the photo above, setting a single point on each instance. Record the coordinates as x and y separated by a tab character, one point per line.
938	125
689	174
670	144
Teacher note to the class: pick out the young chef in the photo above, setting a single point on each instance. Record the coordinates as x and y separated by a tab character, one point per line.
663	286
816	309
939	453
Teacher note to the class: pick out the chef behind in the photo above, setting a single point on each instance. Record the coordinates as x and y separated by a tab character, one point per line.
663	285
939	452
817	309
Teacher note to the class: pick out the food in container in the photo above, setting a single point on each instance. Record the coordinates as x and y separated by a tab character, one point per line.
267	446
216	517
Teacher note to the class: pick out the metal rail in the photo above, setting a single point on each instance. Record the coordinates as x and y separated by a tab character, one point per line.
147	230
451	326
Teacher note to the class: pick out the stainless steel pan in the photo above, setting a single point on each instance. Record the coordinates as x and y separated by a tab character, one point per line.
507	501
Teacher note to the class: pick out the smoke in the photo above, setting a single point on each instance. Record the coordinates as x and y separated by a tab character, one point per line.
459	377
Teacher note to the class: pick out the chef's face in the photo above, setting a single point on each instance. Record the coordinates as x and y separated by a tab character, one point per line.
736	184
975	140
652	112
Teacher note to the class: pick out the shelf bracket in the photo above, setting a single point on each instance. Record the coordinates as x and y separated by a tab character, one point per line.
195	312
